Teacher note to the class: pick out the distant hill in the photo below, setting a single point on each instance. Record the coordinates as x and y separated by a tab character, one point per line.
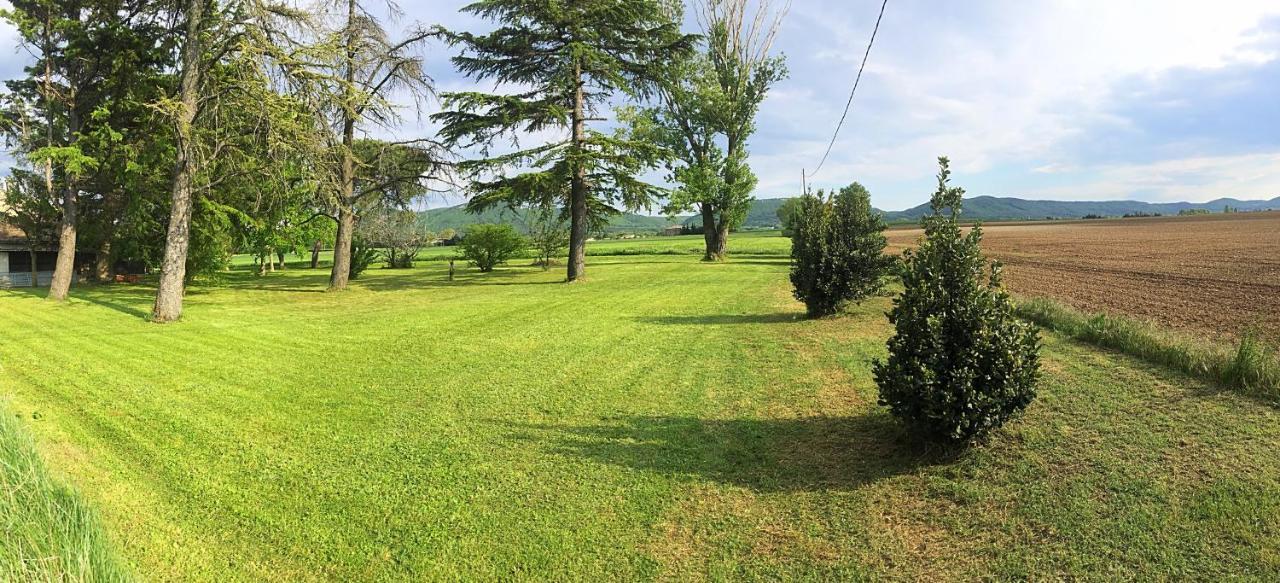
764	213
991	208
458	219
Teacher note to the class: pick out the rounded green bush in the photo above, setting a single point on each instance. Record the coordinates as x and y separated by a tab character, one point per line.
960	361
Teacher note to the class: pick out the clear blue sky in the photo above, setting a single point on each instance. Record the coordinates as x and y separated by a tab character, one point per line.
1153	100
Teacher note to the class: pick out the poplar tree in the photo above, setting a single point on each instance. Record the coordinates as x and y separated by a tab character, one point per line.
563	60
708	111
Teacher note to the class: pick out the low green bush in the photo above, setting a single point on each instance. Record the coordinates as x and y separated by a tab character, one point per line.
487	246
362	256
837	250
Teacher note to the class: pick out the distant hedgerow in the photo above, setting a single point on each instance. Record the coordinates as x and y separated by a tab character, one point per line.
837	250
961	363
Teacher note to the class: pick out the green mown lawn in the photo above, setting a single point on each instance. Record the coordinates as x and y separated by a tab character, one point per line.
665	419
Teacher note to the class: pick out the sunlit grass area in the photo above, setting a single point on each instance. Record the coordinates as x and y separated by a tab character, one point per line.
667	418
745	243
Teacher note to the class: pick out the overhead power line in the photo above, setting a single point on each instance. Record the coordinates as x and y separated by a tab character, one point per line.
853	91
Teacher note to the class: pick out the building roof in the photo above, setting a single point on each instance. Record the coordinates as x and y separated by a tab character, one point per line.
10	232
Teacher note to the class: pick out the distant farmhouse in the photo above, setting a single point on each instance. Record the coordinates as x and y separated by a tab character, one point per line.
16	266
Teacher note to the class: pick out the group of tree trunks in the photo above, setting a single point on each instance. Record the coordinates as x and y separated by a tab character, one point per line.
176	132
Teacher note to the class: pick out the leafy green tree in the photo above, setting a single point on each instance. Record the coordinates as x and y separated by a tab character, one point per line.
352	72
960	362
564	60
708	111
65	97
487	246
837	250
786	215
130	143
549	235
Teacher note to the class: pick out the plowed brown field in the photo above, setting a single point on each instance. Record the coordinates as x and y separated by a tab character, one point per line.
1211	275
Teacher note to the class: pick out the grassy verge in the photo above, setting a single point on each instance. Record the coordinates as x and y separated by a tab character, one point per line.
667	419
1251	366
48	533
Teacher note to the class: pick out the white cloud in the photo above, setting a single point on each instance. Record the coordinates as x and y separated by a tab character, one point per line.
1248	176
994	84
1009	89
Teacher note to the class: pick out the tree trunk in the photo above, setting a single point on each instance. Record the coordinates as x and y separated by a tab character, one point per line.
721	250
64	270
280	255
35	268
315	255
102	264
341	273
578	191
342	250
710	234
173	269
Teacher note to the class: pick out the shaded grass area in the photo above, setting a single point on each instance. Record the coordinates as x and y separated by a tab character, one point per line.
1252	365
666	419
46	532
748	244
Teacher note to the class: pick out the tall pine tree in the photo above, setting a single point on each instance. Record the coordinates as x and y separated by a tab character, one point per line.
66	97
564	61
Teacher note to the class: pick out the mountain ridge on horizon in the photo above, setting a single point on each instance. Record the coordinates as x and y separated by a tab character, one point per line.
763	212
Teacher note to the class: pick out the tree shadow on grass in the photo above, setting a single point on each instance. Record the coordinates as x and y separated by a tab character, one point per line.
417	279
138	307
699	320
766	455
311	281
131	300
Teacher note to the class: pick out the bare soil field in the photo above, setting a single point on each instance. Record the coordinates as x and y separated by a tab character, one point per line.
1210	275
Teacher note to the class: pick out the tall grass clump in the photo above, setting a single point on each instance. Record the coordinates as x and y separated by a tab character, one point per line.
48	532
1251	366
